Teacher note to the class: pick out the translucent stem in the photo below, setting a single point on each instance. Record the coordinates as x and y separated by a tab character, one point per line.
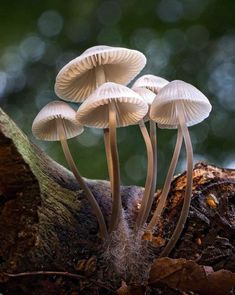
99	75
146	203
153	138
108	154
82	183
188	192
167	184
116	207
101	79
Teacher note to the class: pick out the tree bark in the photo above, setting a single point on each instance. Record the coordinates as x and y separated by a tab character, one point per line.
46	223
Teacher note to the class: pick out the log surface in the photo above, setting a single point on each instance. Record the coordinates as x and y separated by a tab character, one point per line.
47	224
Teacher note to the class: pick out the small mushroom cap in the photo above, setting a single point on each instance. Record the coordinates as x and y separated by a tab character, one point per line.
77	80
147	95
151	82
45	124
178	93
130	107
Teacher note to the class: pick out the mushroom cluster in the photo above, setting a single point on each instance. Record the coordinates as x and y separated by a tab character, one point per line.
98	79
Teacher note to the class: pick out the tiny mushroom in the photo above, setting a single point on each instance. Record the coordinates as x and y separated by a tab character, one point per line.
146	203
57	122
154	84
179	105
111	106
95	66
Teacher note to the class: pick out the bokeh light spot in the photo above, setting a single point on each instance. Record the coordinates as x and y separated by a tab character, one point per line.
170	10
32	48
88	138
50	23
134	169
12	60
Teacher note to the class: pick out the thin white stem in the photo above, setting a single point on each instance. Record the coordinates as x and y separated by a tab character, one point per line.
153	138
82	183
146	204
188	192
101	79
99	75
167	184
116	207
108	154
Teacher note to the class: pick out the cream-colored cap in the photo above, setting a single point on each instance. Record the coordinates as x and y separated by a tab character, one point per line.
151	82
77	80
130	107
147	96
176	94
45	124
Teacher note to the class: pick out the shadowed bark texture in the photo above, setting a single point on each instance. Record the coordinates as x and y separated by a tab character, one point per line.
46	224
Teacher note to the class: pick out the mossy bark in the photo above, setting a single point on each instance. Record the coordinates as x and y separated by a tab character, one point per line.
46	222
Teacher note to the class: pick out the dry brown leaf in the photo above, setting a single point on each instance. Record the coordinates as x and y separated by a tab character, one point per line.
187	275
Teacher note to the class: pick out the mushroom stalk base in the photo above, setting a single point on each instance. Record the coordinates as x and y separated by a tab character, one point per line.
117	205
82	183
167	184
146	201
188	192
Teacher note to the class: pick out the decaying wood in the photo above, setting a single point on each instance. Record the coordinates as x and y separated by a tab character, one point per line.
46	223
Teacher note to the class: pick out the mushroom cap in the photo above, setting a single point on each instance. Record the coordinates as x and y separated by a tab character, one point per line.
77	80
130	107
45	124
151	82
178	93
147	95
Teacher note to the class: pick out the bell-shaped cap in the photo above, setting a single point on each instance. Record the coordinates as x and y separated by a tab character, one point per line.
147	95
130	107
151	82
196	106
45	125
77	80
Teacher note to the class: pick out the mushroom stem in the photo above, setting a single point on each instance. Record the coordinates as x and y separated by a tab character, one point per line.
108	154
153	138
82	183
101	79
146	202
188	192
117	205
167	184
99	75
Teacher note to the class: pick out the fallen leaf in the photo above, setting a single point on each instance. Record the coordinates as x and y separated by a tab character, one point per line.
187	275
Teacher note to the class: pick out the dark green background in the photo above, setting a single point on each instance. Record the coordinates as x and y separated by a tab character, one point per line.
191	40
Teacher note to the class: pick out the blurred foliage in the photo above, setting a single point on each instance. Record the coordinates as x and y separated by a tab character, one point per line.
182	39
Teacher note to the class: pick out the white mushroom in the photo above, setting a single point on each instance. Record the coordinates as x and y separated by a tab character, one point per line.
57	122
151	84
111	106
178	105
147	200
95	66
